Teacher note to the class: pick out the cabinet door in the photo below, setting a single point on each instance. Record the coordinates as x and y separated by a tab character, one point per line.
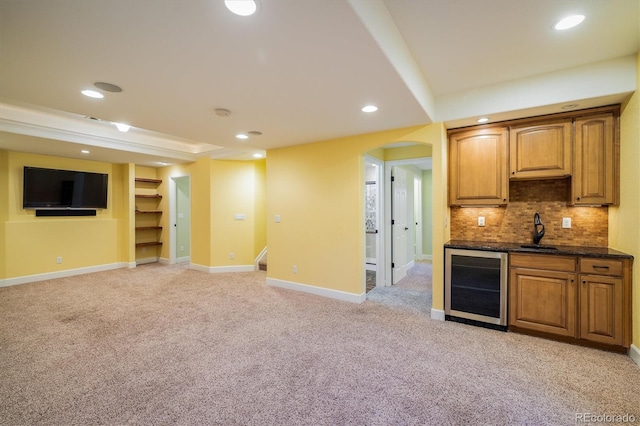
595	177
540	151
478	167
543	301
601	309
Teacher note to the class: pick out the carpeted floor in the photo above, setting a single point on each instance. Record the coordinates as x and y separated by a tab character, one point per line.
166	345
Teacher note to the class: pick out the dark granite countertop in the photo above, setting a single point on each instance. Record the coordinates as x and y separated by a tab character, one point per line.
557	250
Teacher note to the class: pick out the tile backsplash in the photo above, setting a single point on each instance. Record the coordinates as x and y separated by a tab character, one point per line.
514	223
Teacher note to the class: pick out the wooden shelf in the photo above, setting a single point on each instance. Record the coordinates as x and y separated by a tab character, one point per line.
148	196
152	243
150	215
147	228
146	180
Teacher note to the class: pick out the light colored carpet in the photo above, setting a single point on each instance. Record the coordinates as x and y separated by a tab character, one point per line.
166	345
412	293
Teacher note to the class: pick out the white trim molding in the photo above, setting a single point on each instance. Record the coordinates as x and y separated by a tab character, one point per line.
318	291
146	260
221	269
61	274
634	354
437	314
256	263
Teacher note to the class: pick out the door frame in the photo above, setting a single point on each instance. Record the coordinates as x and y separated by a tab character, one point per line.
173	188
388	274
380	252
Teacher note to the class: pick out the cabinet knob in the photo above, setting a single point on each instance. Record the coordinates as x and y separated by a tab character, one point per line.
584	281
513	173
578	198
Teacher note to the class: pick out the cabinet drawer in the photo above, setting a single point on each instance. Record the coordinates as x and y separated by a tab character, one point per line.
601	266
541	261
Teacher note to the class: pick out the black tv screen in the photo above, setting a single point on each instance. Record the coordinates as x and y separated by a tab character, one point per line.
63	189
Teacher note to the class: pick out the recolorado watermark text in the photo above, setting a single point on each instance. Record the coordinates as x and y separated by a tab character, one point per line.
605	418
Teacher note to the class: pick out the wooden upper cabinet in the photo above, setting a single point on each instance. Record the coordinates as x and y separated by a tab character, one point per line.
540	151
478	170
595	174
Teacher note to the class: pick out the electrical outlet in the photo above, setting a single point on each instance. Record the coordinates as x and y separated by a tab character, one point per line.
566	222
59	259
480	220
295	269
232	255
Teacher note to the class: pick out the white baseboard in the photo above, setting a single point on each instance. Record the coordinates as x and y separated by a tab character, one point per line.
428	257
61	274
437	314
131	265
183	259
634	354
221	269
164	261
147	260
318	291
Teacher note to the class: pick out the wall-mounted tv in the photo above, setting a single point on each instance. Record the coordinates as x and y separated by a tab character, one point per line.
63	189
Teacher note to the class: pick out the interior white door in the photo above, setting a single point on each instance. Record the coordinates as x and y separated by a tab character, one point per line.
417	216
181	218
399	226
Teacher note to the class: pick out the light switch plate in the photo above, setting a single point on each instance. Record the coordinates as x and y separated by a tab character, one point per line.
239	216
566	222
277	218
480	220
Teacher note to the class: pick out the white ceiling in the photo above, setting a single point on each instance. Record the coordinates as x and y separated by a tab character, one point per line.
298	71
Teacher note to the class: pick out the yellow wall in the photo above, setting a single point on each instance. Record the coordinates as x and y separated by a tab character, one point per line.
4	209
219	190
317	189
200	212
624	221
406	152
232	192
33	243
260	207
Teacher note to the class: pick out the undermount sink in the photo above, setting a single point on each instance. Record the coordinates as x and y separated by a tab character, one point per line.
538	247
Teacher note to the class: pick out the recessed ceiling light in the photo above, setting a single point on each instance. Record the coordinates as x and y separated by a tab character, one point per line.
107	87
85	151
483	119
162	163
257	155
92	94
242	136
369	108
241	7
569	22
122	127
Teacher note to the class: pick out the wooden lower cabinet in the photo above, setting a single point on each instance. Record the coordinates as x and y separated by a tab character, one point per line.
580	298
543	301
601	305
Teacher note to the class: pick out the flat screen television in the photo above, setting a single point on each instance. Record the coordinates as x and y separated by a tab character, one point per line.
63	189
